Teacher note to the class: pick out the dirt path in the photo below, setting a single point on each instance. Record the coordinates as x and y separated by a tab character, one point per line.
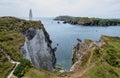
12	61
80	73
16	64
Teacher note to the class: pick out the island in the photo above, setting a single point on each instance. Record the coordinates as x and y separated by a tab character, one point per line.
85	21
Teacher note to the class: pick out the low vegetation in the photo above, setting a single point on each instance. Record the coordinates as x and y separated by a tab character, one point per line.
88	21
101	61
104	63
10	34
22	68
39	73
105	60
5	65
11	40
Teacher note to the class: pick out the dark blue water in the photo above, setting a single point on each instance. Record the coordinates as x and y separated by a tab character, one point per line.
65	35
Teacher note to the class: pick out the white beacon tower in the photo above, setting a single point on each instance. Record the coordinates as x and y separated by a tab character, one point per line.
30	15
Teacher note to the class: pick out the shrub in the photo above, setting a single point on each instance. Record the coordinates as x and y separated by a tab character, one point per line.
22	68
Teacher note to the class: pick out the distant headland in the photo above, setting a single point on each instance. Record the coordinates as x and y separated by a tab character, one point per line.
85	21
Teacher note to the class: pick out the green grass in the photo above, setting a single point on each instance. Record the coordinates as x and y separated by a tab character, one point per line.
5	65
11	41
106	59
22	68
39	73
89	21
10	34
85	59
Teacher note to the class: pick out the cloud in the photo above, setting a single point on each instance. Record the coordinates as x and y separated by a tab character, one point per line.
45	8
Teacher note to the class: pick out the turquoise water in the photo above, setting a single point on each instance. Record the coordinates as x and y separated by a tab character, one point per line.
65	35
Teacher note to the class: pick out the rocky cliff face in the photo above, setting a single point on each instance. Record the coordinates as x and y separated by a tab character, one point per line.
96	60
37	48
79	52
82	53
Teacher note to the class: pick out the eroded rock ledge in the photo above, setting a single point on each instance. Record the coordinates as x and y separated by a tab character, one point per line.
82	53
79	52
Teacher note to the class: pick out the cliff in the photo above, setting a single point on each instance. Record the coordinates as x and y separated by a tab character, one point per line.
37	48
96	60
21	39
85	21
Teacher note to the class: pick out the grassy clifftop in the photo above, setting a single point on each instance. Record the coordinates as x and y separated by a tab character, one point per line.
106	59
5	65
10	34
88	21
101	60
10	42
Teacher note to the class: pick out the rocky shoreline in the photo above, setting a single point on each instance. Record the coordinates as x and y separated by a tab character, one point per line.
85	21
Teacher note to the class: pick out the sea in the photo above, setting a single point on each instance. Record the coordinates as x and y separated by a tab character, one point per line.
66	35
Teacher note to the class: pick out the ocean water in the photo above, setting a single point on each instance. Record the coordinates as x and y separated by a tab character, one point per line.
66	36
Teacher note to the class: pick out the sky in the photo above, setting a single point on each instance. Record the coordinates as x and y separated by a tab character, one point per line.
53	8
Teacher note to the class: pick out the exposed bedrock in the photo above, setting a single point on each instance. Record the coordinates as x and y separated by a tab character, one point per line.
37	48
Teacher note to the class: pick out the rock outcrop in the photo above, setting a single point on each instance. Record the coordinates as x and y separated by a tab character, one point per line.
37	48
79	52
